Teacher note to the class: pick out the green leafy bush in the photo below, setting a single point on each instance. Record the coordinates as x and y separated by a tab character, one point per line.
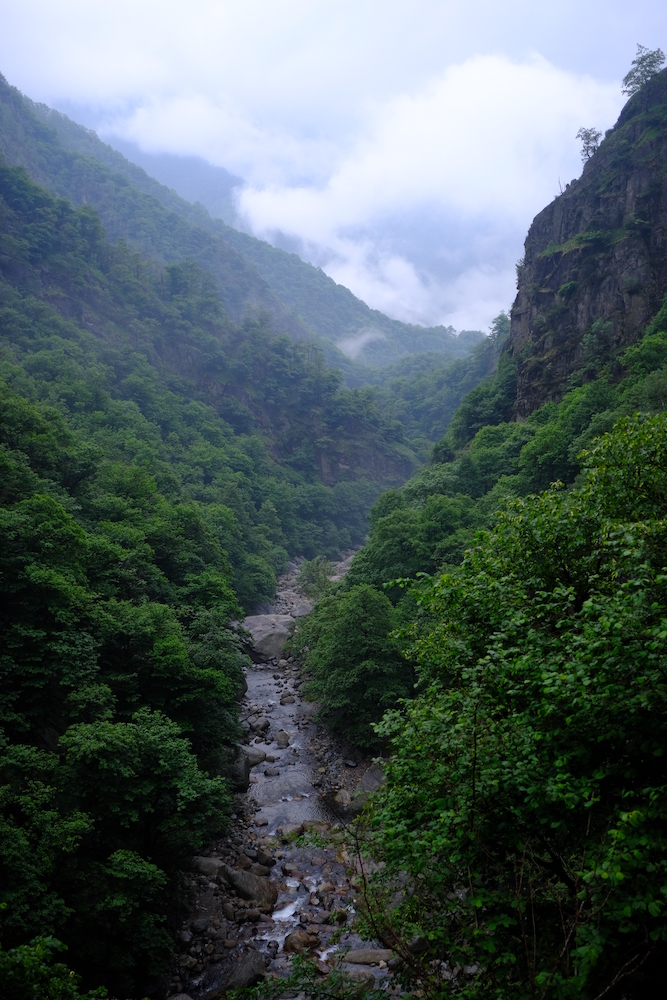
357	668
525	799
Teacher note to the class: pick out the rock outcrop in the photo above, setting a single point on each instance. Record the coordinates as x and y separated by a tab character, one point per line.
595	266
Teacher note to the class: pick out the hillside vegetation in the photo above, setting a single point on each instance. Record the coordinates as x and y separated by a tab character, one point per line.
71	162
521	577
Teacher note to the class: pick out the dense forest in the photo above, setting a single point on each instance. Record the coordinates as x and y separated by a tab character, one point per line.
499	639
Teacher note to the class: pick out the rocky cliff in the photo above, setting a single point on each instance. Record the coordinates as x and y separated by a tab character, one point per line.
595	264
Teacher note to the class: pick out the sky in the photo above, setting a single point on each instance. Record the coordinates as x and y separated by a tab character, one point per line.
402	145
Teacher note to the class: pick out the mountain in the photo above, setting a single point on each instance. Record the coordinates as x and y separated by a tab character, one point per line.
71	162
595	266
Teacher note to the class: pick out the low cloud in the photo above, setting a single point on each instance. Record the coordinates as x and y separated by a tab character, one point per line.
482	148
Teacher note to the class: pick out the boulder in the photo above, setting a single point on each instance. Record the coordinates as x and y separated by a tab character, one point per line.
287	699
208	866
249	971
290	830
259	725
239	773
372	779
271	772
254	754
299	941
343	798
301	610
254	887
367	956
282	739
269	634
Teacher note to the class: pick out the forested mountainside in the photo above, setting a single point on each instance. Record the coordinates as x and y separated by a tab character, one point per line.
502	636
159	463
71	162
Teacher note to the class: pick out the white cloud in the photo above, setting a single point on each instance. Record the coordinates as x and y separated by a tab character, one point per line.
360	127
482	146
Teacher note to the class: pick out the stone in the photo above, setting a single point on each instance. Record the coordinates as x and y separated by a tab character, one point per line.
243	862
249	971
187	961
365	977
199	925
372	779
254	887
290	830
282	663
271	772
208	866
317	861
265	859
228	911
239	773
319	825
181	996
252	914
299	941
269	633
261	821
258	869
367	956
254	754
282	740
259	725
185	937
350	763
343	797
301	610
287	699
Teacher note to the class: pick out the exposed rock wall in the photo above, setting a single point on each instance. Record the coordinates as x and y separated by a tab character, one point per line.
595	265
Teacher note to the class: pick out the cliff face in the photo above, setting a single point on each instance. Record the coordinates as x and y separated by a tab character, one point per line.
595	265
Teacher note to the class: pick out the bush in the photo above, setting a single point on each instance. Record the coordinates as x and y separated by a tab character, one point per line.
357	667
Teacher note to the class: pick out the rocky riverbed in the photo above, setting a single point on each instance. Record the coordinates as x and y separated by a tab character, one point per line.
276	884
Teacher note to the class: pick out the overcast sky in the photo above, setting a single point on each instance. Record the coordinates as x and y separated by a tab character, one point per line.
403	145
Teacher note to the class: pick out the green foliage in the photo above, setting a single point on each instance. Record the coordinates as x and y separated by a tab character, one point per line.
525	801
357	668
314	577
645	65
29	972
590	140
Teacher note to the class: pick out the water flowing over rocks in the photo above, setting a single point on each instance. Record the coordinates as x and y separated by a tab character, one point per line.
273	885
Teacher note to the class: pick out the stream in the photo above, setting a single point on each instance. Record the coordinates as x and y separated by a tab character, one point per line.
276	884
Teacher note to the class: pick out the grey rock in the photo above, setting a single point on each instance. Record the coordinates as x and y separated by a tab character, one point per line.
265	859
301	610
366	956
282	740
269	633
343	797
254	887
181	996
208	866
254	754
258	869
287	699
372	779
259	725
299	941
290	830
271	772
239	773
249	971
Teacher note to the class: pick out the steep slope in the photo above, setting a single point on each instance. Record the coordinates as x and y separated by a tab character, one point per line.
72	162
595	265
